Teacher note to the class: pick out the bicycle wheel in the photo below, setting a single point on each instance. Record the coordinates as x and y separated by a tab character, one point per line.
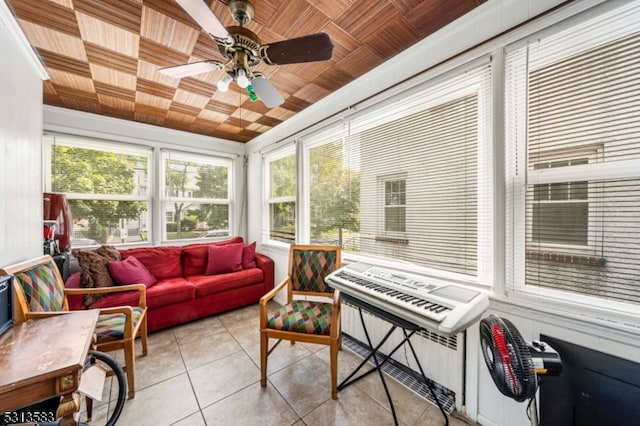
113	368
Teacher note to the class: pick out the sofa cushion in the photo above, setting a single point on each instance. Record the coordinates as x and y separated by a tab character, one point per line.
195	256
224	259
93	269
165	292
131	271
162	262
249	256
211	284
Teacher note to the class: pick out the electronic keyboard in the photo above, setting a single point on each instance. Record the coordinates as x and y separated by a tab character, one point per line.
443	308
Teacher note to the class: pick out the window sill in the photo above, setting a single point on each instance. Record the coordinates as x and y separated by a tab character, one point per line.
617	322
566	258
393	240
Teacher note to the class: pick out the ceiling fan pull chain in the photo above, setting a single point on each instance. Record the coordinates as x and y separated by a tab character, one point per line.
252	95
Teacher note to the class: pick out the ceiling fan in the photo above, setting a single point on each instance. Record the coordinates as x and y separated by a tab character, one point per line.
242	50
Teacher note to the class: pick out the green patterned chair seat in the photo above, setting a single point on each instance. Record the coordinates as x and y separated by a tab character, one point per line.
303	317
111	326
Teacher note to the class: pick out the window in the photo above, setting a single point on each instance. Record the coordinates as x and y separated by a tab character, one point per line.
395	201
199	189
107	185
334	192
560	211
281	199
406	178
573	160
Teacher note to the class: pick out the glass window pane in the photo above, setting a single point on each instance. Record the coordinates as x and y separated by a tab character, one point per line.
334	190
579	190
561	223
193	220
559	191
283	177
541	192
108	222
81	168
190	181
394	220
282	221
94	171
184	178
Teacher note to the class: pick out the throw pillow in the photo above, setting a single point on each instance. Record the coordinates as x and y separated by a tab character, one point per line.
93	269
224	259
249	256
131	271
195	256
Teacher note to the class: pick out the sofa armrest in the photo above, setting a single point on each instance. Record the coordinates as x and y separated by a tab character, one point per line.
266	264
76	302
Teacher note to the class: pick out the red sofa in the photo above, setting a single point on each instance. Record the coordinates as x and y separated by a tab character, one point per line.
183	292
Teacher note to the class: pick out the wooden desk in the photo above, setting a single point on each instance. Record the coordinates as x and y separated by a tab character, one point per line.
41	359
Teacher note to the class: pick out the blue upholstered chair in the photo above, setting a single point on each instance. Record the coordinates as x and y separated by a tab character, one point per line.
302	318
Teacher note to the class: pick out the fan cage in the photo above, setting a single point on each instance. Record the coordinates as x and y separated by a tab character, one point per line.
508	359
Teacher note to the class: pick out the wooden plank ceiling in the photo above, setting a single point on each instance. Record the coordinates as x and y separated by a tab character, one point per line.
103	55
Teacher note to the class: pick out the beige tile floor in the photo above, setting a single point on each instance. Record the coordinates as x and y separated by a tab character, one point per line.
208	373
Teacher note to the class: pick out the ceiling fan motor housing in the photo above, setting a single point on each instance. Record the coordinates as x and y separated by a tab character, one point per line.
244	52
242	11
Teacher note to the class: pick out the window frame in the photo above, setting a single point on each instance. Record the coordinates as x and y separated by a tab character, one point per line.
518	177
269	200
110	146
168	197
475	77
383	181
591	154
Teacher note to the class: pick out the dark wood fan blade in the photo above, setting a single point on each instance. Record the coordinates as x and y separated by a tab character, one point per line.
310	48
193	68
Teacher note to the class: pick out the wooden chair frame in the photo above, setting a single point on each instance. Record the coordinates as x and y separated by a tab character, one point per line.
333	340
127	343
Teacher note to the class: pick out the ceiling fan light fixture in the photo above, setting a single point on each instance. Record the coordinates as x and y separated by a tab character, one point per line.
241	78
223	83
242	50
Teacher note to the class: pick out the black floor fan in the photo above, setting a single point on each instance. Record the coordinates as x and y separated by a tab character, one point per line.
514	364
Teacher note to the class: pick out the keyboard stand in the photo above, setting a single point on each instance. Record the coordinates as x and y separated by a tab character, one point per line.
408	329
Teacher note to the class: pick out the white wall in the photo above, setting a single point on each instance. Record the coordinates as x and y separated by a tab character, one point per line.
20	146
483	401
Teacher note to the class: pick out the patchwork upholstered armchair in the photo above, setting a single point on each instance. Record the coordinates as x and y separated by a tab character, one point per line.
39	292
302	319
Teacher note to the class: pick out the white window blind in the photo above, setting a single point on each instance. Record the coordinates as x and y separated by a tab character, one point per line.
410	179
280	190
196	195
107	185
573	108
